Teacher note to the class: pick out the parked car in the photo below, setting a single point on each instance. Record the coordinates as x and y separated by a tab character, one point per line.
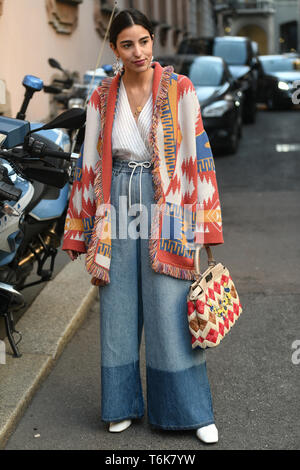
180	62
292	55
277	74
196	46
239	54
219	96
165	60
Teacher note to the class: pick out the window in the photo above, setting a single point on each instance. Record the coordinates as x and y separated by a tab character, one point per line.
133	4
206	73
184	5
163	11
234	53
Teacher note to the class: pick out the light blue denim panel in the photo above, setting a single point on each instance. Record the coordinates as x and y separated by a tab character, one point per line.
162	298
167	336
120	321
121	316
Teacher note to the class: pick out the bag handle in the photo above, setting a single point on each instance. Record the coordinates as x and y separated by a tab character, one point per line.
210	259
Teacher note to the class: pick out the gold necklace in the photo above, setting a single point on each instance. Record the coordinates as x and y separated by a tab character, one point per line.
138	111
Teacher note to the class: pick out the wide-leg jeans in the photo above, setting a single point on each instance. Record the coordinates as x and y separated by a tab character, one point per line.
178	391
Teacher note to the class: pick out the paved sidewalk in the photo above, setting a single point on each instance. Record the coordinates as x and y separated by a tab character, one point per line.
46	328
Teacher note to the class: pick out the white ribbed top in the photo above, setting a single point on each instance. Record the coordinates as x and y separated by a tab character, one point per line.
130	138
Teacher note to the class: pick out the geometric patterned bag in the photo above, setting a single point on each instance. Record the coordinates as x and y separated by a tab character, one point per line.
213	303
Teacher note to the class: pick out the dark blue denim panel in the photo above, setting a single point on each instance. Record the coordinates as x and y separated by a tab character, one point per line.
122	395
179	400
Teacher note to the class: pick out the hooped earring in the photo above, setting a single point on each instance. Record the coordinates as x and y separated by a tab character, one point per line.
117	66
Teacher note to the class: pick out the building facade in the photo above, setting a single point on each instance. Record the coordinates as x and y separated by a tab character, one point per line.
206	18
72	32
286	25
251	18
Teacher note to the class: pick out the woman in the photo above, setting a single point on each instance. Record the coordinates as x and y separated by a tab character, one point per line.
145	152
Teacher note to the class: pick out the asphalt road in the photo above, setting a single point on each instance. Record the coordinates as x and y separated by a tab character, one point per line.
254	373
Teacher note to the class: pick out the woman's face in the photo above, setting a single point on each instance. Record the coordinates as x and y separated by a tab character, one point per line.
134	47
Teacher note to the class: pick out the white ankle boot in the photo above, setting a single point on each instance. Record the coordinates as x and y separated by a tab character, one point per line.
208	434
119	426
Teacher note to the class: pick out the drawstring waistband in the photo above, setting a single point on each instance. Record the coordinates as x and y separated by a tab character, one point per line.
134	165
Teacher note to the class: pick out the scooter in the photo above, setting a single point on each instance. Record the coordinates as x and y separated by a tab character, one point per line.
69	93
34	191
74	94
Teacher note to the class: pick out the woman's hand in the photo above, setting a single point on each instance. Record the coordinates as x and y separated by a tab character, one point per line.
98	282
73	254
95	281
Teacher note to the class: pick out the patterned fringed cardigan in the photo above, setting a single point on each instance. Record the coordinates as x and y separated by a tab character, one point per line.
185	187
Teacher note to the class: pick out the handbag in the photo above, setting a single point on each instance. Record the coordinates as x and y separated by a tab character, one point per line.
213	303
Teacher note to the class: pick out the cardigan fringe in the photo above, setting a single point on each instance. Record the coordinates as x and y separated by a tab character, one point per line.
98	272
163	268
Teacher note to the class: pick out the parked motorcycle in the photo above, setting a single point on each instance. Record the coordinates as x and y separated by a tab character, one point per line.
34	191
69	93
74	94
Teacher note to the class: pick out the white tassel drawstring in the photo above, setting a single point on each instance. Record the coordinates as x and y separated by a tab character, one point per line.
134	165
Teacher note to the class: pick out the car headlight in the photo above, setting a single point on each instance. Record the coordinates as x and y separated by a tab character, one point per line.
283	85
217	109
76	103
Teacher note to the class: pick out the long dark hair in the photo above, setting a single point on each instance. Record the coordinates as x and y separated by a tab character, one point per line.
126	18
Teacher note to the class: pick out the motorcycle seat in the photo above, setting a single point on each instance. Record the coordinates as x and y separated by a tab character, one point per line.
42	191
